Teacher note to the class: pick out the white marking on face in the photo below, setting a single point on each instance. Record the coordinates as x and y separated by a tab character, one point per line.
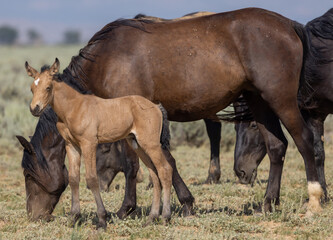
36	81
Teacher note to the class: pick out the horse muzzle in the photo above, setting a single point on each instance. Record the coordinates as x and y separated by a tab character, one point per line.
36	111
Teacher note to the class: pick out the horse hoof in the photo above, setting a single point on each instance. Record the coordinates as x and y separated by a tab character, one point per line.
188	210
123	213
101	226
267	207
166	221
75	219
48	218
212	179
150	221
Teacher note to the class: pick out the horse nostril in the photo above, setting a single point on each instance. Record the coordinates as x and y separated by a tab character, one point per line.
35	111
242	174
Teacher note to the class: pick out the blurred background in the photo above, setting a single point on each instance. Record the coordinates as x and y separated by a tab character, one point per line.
37	22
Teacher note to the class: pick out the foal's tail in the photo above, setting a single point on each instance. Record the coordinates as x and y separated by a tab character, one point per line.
165	134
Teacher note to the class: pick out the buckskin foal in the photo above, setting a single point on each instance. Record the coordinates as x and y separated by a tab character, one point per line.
84	121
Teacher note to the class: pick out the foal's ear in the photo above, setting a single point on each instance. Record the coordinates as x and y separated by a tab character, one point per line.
30	70
55	67
26	144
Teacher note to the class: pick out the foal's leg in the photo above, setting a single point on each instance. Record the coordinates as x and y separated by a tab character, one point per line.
74	160
317	127
276	146
155	207
214	134
89	155
165	175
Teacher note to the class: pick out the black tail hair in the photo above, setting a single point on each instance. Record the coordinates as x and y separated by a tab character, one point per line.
304	88
165	134
243	113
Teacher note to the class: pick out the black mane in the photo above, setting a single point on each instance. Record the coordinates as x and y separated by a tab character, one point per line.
322	26
75	69
320	33
46	124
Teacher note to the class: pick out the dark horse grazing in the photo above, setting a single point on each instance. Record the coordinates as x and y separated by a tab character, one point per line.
211	60
315	103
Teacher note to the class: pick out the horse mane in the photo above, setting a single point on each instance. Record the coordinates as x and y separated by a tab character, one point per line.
86	53
47	122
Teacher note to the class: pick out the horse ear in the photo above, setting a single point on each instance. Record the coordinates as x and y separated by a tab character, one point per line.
27	145
30	70
55	67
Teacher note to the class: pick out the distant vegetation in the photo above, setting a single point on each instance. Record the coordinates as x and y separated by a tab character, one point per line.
9	35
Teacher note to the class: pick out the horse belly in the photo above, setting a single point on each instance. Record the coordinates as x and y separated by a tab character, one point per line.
115	123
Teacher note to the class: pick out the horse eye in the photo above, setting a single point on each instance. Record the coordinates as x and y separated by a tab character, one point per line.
48	89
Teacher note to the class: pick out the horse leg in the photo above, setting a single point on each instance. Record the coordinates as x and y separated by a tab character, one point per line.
183	193
286	108
89	155
131	167
74	160
164	170
317	127
214	133
276	145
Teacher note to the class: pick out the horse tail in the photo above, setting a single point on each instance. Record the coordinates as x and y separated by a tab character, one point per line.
165	134
304	88
240	112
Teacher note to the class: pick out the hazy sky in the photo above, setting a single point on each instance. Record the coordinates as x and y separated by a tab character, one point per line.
52	18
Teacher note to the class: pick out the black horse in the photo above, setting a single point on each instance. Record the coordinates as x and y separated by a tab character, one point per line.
315	102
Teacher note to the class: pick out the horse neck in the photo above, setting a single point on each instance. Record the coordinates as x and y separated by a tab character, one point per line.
63	99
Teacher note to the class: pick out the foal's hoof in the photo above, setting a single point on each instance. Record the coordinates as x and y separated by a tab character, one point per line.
150	221
101	226
166	221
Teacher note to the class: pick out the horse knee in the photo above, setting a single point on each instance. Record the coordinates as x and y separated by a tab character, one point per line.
92	182
278	151
74	180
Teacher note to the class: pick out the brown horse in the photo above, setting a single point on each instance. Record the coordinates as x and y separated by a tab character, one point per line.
197	67
84	121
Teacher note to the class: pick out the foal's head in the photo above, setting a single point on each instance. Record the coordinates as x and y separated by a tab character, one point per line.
42	87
